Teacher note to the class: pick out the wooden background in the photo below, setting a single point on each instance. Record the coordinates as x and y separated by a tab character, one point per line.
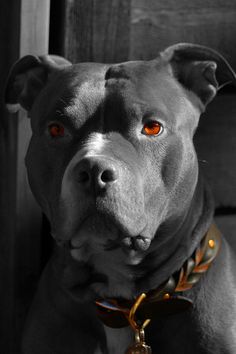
105	31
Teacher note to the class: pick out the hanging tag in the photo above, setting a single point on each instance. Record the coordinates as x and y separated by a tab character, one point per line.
139	347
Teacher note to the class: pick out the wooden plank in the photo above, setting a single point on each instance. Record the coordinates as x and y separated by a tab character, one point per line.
111	30
33	39
78	30
34	34
26	26
158	24
96	30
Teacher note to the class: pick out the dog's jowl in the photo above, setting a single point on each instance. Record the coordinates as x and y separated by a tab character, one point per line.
112	164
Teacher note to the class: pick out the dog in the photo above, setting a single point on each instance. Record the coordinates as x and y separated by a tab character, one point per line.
112	164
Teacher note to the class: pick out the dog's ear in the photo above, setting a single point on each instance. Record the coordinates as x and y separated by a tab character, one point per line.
27	78
199	69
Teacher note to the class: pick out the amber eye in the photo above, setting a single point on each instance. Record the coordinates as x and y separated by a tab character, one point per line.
56	130
152	128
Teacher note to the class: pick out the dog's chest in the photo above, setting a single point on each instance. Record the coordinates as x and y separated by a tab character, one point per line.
118	340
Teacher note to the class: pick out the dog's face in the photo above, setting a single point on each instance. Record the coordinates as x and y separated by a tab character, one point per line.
111	158
105	183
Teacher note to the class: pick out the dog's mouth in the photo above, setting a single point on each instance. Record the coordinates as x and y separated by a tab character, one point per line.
98	233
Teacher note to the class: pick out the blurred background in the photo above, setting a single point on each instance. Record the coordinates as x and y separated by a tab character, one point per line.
102	31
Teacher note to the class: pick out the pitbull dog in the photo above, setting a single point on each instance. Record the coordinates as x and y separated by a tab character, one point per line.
112	164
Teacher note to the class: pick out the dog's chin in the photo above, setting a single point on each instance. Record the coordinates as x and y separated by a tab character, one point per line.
103	260
102	277
102	274
110	272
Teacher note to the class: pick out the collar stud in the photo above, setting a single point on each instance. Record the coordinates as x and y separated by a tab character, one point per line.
211	243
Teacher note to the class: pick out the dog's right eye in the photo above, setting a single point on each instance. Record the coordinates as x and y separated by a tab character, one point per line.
56	130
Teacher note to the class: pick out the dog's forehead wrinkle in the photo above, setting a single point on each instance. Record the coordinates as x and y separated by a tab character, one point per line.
128	76
127	70
87	97
161	95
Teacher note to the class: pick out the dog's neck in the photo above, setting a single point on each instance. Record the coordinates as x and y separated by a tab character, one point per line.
168	253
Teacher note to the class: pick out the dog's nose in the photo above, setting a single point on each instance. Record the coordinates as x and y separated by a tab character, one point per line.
95	173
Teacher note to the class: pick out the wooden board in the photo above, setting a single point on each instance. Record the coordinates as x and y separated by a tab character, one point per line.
158	24
95	30
25	27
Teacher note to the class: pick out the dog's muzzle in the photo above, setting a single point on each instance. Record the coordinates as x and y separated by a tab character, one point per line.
99	193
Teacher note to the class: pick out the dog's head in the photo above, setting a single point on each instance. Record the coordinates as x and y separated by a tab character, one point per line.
111	160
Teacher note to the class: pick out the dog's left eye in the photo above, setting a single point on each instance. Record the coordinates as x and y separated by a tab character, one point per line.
56	130
152	128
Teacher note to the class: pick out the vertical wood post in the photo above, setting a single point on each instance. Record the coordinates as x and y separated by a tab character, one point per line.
26	30
94	30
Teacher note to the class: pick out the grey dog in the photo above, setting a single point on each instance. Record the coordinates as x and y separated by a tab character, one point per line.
112	164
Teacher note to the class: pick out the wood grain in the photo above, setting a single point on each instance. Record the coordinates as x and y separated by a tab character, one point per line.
96	30
158	24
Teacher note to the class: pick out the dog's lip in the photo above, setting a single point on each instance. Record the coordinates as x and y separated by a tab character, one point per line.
130	243
134	248
137	243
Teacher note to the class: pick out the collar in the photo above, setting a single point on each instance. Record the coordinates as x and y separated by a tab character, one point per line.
167	298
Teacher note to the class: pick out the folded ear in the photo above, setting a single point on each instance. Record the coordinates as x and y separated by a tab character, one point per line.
199	69
27	78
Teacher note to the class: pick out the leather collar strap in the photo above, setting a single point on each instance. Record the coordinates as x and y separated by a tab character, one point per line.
167	298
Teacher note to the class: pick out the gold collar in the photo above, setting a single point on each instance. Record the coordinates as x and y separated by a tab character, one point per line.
164	300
